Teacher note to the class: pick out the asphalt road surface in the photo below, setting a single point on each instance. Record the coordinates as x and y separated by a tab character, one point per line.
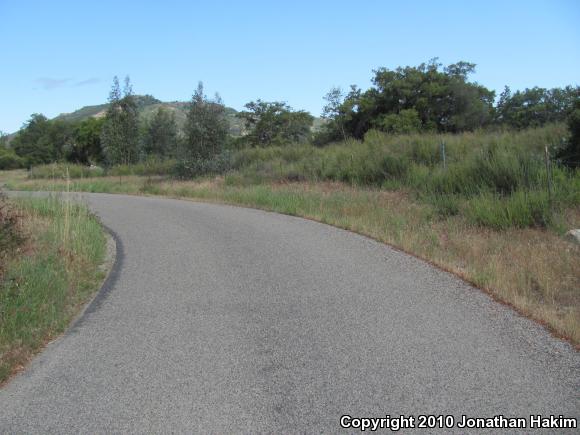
219	319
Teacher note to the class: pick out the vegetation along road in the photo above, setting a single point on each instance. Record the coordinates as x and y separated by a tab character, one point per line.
225	320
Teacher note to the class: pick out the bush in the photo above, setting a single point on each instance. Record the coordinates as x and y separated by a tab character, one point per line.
521	209
188	169
285	154
444	205
9	160
405	122
499	170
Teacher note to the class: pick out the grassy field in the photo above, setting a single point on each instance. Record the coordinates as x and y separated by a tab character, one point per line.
48	278
491	207
531	268
498	180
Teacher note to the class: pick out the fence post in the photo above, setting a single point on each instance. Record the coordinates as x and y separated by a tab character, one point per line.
548	174
443	158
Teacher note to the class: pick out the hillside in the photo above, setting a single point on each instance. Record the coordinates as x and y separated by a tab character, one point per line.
147	106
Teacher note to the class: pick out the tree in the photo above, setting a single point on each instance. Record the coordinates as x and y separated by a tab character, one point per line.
536	106
160	135
32	141
86	148
444	99
3	140
111	136
275	123
570	155
333	111
42	141
426	98
8	158
120	134
206	127
460	69
404	122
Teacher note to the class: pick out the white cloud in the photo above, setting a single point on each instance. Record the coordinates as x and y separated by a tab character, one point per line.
51	83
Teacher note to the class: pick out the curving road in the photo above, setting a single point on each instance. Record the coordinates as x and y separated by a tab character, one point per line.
220	319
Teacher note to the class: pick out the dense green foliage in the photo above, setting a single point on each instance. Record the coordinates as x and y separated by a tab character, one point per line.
430	98
41	141
570	154
422	98
275	123
159	138
535	107
8	158
86	146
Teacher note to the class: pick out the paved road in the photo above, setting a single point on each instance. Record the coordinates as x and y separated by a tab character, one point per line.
229	320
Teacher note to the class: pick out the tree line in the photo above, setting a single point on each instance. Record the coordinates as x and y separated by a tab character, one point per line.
121	138
434	98
426	98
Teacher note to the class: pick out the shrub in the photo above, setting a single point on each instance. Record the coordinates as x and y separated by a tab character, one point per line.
187	169
407	121
444	205
10	234
9	160
521	209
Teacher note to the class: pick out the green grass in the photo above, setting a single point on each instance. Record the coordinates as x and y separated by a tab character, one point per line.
497	179
521	209
61	171
64	171
49	280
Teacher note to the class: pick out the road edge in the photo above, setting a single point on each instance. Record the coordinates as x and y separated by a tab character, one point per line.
113	262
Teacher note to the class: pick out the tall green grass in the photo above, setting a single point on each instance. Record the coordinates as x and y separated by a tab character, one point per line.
57	171
498	179
44	287
63	171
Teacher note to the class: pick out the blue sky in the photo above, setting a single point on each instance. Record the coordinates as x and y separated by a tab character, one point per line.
57	56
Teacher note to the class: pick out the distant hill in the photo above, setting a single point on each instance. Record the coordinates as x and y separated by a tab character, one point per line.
147	106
